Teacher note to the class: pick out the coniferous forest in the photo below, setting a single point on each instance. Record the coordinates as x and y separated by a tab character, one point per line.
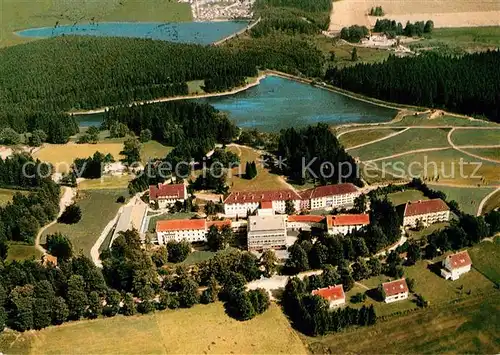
469	84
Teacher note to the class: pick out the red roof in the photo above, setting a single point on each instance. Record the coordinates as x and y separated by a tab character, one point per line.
459	260
266	204
331	293
306	218
416	208
166	190
261	196
329	190
180	224
219	224
362	219
395	287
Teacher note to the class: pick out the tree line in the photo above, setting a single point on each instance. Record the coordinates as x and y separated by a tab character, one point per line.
394	28
467	84
21	171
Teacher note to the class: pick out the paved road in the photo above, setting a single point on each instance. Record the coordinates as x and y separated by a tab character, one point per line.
66	200
483	201
377	140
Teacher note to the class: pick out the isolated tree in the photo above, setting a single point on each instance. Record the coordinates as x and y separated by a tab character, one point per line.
289	207
71	215
250	170
145	135
59	246
354	55
429	26
268	261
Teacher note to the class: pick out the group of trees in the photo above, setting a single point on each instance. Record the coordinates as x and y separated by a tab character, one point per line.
466	84
314	154
21	171
91	135
354	33
219	238
377	11
311	314
394	28
91	167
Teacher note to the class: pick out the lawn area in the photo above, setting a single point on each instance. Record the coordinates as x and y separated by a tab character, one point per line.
153	149
490	153
485	257
468	198
63	155
417	235
106	182
195	87
7	194
410	140
264	179
402	197
98	208
444	164
167	216
355	138
45	13
476	137
201	329
445	120
470	326
492	203
18	251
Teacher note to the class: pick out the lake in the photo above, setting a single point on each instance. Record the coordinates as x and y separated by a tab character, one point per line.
278	103
182	32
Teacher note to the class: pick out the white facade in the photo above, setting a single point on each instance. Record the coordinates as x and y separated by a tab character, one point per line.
453	274
190	235
266	232
428	218
305	226
399	297
343	230
333	201
241	209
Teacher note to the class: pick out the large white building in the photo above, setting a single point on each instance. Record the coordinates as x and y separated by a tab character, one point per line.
396	290
427	211
329	197
346	223
167	194
240	202
333	294
266	232
190	230
455	265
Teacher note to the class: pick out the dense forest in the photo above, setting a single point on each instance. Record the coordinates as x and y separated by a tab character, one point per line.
469	84
314	154
21	171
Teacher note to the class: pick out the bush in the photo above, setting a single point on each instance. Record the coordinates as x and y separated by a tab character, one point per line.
71	215
59	246
120	199
358	297
354	33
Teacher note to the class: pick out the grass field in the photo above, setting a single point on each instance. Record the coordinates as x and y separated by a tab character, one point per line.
7	194
446	120
470	326
490	153
485	257
355	138
476	137
19	251
16	15
201	329
264	179
417	235
153	149
106	182
492	203
404	142
98	208
468	198
446	165
400	198
63	155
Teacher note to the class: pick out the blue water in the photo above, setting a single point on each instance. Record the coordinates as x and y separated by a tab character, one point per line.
182	32
278	103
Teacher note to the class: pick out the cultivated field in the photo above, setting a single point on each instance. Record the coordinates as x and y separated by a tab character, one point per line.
153	149
264	179
488	153
201	329
106	182
468	198
444	13
18	251
485	258
352	139
476	137
63	155
98	208
16	15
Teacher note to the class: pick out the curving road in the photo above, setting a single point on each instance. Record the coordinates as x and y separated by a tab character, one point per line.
461	150
377	140
483	201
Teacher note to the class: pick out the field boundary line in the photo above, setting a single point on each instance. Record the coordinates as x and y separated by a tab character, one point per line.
378	140
484	200
416	151
459	148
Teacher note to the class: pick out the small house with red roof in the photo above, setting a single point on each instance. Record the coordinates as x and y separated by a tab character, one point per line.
191	230
427	211
455	265
333	294
346	223
329	196
167	194
396	290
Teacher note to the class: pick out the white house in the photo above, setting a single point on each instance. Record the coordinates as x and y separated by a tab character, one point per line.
455	265
345	223
240	202
305	222
266	232
333	294
329	196
167	194
190	230
428	211
396	290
